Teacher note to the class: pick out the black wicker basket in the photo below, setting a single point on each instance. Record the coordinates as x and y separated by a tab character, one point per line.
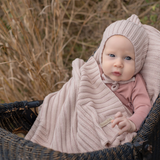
18	117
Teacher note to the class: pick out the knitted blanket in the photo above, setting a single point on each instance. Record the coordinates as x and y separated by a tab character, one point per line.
77	118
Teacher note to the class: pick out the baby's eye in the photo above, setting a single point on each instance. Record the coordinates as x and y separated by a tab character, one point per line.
128	58
111	55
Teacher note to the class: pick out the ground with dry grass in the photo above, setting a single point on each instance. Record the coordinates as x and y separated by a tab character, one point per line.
40	39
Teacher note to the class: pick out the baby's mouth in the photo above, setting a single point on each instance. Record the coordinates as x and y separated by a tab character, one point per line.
117	74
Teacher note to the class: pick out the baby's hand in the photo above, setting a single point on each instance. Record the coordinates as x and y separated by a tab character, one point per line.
124	124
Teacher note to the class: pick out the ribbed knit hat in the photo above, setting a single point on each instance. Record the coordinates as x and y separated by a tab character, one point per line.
133	30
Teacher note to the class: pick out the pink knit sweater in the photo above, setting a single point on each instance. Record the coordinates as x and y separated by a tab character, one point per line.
134	96
71	120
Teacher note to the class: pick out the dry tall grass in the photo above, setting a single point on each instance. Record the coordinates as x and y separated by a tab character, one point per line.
39	39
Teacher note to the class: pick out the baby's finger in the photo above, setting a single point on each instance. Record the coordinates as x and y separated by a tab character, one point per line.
118	114
125	129
116	121
121	124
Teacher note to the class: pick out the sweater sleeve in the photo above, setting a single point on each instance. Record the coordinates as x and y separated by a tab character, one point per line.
141	102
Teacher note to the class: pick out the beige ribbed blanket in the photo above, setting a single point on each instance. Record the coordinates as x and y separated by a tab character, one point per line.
69	120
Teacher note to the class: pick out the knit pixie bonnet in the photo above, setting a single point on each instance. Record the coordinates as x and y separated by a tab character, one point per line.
133	30
146	40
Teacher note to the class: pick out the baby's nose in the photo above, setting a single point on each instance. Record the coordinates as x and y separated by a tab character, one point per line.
118	63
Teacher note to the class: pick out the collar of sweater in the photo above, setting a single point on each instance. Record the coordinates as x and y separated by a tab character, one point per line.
115	84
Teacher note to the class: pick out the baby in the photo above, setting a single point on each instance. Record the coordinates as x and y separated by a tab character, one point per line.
118	64
105	101
122	54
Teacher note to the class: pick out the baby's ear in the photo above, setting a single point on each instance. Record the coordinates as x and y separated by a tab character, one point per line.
134	18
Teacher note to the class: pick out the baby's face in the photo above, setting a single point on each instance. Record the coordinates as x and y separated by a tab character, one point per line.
118	59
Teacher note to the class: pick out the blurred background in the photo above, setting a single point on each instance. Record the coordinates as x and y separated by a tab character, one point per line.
39	39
